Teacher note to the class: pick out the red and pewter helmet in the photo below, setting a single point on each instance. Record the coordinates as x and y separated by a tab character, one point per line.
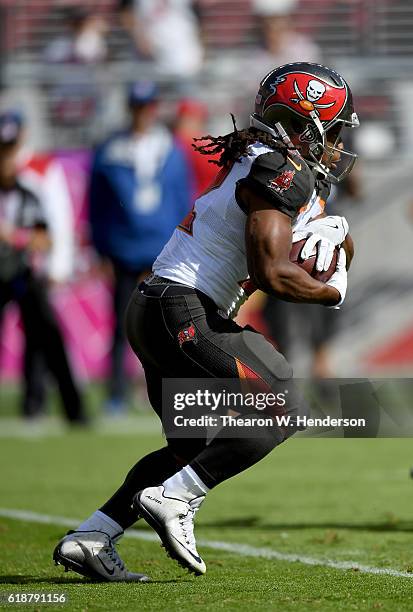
311	102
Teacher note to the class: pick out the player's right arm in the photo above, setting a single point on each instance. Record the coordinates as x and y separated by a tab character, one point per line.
268	240
269	230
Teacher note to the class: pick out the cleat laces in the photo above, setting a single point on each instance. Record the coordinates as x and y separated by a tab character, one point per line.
113	555
187	525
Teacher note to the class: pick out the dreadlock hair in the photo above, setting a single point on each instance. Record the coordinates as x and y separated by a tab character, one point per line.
235	145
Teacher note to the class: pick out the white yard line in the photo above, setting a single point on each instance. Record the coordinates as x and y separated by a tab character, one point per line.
54	426
244	550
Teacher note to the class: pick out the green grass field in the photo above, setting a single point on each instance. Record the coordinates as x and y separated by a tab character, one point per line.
329	499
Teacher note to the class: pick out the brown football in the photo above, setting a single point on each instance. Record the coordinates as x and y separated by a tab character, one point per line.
309	264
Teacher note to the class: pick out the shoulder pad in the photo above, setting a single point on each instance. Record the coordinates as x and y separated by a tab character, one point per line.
283	180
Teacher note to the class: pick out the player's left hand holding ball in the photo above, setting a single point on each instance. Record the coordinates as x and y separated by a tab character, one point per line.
323	235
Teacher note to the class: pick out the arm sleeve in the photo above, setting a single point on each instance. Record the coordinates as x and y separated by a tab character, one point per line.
286	182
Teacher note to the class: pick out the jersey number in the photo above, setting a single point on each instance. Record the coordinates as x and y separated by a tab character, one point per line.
220	178
187	223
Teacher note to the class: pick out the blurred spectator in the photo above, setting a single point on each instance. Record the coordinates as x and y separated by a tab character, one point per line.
46	176
165	32
73	95
190	123
25	238
85	41
139	192
281	43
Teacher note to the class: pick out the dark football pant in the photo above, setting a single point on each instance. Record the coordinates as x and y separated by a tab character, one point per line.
156	318
43	336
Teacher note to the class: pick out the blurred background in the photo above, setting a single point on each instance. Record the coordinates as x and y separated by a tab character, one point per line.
99	102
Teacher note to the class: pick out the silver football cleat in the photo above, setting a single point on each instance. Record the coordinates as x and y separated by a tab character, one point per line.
173	520
93	554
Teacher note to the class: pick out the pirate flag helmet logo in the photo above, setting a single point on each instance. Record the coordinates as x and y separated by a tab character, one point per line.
309	104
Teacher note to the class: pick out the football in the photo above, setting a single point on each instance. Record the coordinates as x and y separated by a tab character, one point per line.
309	264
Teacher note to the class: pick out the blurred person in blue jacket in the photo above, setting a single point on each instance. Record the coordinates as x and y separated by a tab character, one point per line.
140	190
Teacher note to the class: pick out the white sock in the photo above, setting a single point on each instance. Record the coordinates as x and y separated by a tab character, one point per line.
185	485
99	521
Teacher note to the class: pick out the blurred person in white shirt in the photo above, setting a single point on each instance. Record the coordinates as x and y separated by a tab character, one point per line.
281	42
165	32
85	39
41	179
46	177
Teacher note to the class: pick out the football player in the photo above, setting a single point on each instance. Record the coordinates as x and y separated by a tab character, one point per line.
179	320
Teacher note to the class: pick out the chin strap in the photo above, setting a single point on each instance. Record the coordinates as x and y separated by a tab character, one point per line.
276	132
317	162
264	127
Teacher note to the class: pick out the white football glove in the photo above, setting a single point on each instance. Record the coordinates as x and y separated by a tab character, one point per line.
326	232
339	278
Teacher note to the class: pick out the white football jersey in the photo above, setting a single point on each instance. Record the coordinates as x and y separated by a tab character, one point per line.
207	250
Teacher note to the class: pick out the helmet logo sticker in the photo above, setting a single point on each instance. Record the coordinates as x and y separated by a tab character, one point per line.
277	81
315	91
304	93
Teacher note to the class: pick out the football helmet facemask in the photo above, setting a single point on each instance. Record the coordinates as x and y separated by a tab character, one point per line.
309	104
